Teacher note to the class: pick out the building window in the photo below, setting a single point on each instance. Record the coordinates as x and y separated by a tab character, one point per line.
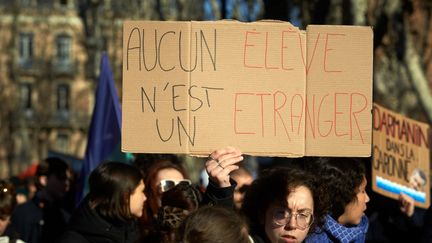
63	97
62	142
64	2
26	96
25	47
63	49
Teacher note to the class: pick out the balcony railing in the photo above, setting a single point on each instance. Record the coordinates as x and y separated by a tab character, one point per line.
54	119
39	66
67	118
30	66
61	67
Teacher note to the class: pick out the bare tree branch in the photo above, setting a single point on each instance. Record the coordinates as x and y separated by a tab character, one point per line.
416	73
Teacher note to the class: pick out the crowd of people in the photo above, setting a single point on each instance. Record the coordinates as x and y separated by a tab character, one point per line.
153	200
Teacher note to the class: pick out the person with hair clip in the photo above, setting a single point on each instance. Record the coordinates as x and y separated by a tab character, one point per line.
343	180
109	212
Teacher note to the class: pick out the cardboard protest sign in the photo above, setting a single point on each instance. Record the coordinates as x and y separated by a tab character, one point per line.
400	156
266	88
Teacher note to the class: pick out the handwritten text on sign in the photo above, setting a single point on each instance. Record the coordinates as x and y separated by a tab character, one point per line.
267	88
400	156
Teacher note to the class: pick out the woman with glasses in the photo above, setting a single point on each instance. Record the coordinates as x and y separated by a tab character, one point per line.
282	205
179	198
344	182
162	175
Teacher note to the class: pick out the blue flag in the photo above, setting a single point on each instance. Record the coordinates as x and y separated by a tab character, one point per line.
105	127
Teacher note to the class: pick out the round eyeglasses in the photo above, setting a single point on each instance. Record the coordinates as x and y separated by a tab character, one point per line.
282	217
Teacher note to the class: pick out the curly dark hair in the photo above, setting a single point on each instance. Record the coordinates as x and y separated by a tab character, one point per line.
273	186
339	179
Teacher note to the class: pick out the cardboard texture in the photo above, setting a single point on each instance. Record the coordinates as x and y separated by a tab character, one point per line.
266	88
400	156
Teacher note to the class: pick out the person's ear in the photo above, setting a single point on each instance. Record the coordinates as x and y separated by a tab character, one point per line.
43	180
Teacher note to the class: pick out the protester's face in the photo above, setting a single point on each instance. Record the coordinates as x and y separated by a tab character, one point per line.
355	209
58	185
416	182
300	201
137	199
243	181
21	198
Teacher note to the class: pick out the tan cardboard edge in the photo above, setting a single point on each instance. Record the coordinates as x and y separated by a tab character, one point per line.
286	155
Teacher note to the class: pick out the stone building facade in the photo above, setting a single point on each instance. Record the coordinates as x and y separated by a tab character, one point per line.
46	96
49	64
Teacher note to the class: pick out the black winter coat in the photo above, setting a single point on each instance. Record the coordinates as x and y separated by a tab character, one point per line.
86	226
